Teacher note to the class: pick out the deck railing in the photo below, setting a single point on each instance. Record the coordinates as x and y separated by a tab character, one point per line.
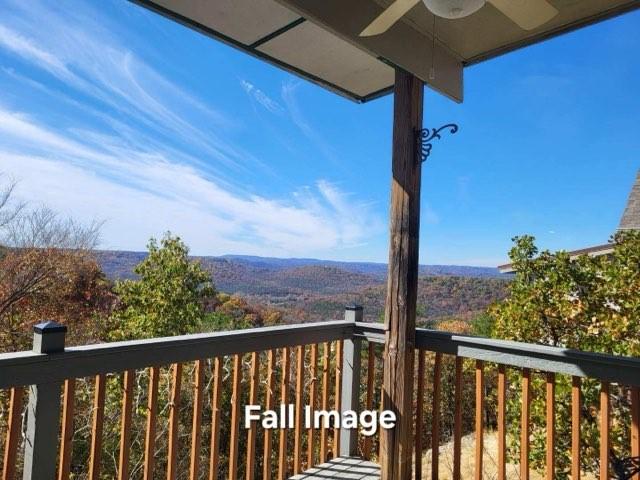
180	401
290	355
518	359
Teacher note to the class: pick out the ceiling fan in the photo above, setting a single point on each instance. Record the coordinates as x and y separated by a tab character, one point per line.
527	14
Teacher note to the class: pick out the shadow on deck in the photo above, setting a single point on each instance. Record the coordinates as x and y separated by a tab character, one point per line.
350	468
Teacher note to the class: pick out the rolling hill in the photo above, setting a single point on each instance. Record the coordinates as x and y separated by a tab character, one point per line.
314	290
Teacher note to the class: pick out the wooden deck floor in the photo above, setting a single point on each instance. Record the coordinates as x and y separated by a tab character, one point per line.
344	468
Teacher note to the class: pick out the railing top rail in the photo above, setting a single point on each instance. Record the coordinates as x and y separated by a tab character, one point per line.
611	368
28	368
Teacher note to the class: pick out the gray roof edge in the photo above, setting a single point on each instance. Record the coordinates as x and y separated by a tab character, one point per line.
630	219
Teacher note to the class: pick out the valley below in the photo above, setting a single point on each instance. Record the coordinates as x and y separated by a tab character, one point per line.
309	290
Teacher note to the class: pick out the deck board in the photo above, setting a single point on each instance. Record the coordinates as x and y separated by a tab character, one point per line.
348	468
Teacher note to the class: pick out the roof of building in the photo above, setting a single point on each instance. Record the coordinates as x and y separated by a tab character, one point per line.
596	251
321	41
630	221
631	217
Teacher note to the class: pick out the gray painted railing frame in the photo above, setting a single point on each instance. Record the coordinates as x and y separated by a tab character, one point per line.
43	409
609	368
28	368
45	368
351	380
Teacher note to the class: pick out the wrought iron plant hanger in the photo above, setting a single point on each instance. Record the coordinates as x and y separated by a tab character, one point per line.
426	136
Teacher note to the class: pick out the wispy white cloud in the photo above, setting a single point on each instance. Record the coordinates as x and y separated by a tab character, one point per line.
144	192
28	50
115	76
142	152
262	98
299	119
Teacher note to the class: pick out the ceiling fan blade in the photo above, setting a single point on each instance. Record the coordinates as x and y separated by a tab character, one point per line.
527	14
386	19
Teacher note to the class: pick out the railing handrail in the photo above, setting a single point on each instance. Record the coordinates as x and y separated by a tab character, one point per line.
28	368
611	368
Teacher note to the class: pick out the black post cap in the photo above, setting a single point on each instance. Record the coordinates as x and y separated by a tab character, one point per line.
49	327
354	307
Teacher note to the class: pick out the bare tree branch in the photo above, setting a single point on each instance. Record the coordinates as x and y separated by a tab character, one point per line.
38	249
43	228
9	209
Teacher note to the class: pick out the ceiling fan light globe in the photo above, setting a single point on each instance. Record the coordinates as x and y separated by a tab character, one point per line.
453	9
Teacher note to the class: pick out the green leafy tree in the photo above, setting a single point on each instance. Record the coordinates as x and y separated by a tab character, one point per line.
590	303
482	325
169	296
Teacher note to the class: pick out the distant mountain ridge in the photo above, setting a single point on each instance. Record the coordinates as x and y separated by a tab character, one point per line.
308	289
369	268
118	264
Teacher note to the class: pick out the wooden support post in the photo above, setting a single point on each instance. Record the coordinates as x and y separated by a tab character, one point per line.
350	383
402	281
43	411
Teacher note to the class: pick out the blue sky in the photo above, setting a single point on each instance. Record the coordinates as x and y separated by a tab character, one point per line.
110	112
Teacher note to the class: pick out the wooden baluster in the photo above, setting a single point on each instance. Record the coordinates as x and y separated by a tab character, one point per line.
284	400
338	397
152	412
66	437
196	425
435	421
253	430
325	400
457	420
125	424
502	421
234	435
419	416
297	441
174	421
576	406
524	424
635	425
479	419
97	427
14	433
216	397
605	441
371	365
551	425
270	394
313	393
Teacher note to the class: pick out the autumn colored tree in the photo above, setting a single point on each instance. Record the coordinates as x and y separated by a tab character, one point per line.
47	271
589	303
231	312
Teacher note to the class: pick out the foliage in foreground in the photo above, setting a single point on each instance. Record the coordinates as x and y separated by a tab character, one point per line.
169	296
592	304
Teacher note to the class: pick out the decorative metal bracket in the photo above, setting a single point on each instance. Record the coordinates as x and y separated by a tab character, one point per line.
624	468
428	135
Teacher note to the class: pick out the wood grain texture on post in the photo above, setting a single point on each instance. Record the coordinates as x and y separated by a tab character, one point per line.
402	282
